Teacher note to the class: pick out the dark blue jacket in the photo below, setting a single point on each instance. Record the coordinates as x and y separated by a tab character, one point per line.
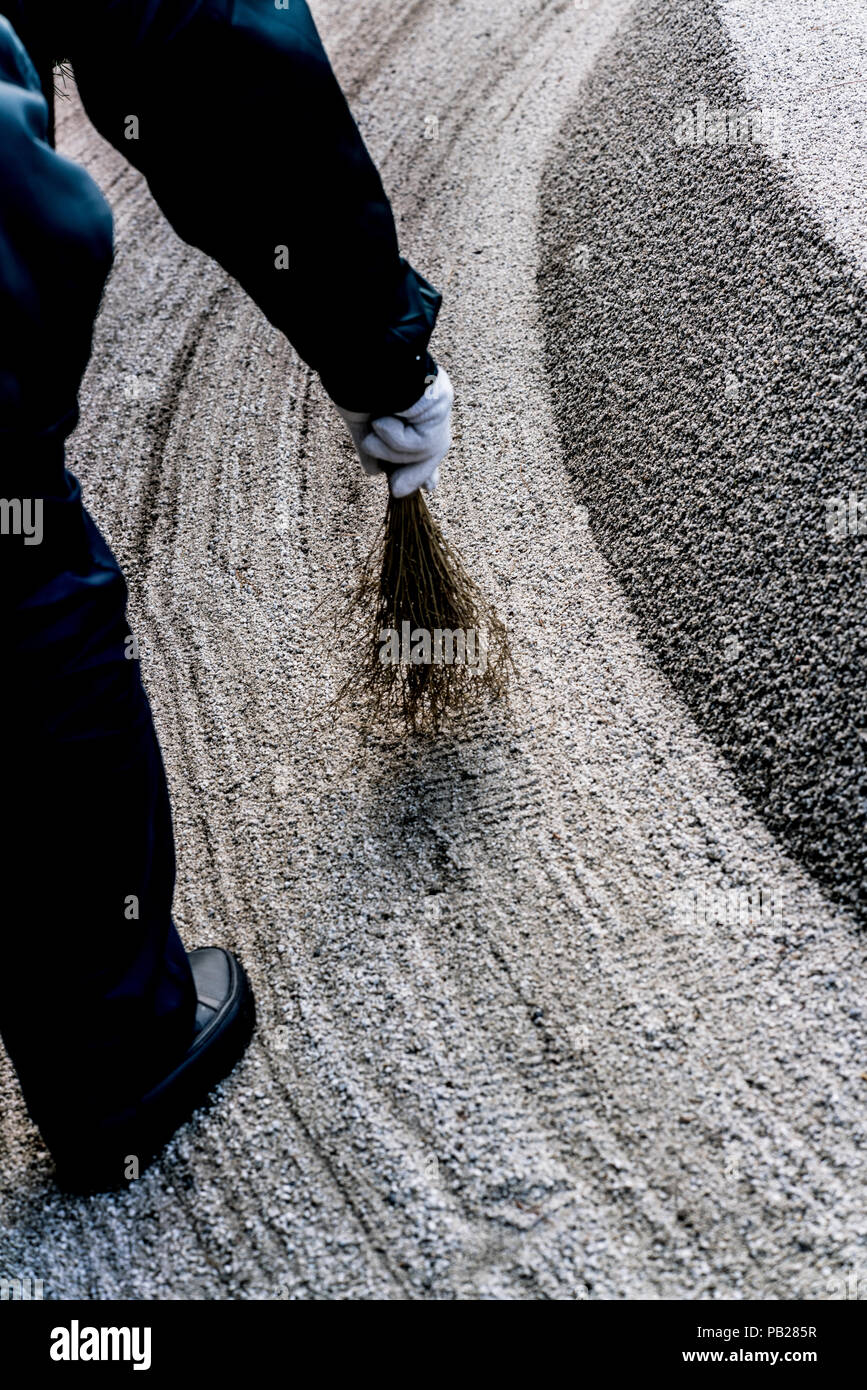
248	145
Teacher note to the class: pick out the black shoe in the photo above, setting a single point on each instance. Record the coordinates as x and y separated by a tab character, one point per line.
225	1015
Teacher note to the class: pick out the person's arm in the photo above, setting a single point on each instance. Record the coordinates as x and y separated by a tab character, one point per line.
231	111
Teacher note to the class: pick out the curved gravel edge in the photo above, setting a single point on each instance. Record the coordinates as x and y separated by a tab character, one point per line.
706	346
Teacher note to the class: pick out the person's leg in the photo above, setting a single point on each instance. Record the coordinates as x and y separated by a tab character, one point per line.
97	998
116	1034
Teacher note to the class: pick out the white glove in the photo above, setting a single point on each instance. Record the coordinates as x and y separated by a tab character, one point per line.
412	444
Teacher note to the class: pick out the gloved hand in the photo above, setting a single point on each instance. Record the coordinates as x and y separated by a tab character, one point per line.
409	446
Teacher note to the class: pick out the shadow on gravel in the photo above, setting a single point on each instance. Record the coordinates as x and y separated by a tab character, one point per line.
706	350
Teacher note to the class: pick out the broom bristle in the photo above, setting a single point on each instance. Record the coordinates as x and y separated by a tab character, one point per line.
415	601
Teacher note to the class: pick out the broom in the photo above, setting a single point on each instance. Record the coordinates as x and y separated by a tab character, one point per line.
433	647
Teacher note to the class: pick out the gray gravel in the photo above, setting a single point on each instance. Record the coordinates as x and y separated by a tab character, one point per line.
809	62
709	369
498	1055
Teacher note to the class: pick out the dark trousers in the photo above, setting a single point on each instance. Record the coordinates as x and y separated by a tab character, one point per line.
96	995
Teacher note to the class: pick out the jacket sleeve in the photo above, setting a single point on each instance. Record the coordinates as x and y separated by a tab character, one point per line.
232	112
55	254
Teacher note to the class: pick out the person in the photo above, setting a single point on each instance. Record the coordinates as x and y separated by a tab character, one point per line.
231	111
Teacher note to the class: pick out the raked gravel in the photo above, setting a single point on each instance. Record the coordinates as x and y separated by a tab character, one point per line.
497	1056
